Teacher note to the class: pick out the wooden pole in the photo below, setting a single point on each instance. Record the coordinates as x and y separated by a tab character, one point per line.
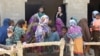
62	45
5	47
19	49
71	47
92	43
12	52
41	44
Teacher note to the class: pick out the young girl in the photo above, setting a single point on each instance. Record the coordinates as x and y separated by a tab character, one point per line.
53	35
74	32
18	31
64	34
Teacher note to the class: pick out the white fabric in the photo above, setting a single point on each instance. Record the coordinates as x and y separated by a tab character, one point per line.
72	22
39	31
95	12
44	19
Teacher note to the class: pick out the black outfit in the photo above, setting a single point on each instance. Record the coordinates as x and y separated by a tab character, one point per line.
63	18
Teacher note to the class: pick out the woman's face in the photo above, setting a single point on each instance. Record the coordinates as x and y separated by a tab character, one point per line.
41	9
12	24
59	9
53	29
64	31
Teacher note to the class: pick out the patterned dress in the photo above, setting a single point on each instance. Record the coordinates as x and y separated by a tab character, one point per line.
18	34
42	29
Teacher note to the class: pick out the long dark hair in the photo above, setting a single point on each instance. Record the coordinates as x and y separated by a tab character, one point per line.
19	23
41	7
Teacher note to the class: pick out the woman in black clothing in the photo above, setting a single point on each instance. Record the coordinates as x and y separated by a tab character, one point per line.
59	21
61	14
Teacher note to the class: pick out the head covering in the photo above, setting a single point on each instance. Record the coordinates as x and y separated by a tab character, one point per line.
74	18
83	23
45	18
3	31
6	22
95	12
74	30
59	25
72	22
33	19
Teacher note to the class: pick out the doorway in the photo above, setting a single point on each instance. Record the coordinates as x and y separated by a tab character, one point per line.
50	6
93	5
30	9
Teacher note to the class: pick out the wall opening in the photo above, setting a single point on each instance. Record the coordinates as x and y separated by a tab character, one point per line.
31	7
93	5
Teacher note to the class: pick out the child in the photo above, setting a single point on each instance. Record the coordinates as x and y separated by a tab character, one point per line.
64	31
74	32
64	35
53	36
10	33
18	31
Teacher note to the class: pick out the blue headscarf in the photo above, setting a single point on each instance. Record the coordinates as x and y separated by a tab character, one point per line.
3	31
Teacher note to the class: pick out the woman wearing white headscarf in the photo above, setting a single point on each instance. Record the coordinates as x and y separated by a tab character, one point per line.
94	14
74	32
42	28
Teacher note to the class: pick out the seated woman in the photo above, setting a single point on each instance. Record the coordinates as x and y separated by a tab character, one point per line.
18	31
30	33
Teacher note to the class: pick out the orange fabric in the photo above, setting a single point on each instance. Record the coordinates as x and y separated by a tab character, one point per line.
78	45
